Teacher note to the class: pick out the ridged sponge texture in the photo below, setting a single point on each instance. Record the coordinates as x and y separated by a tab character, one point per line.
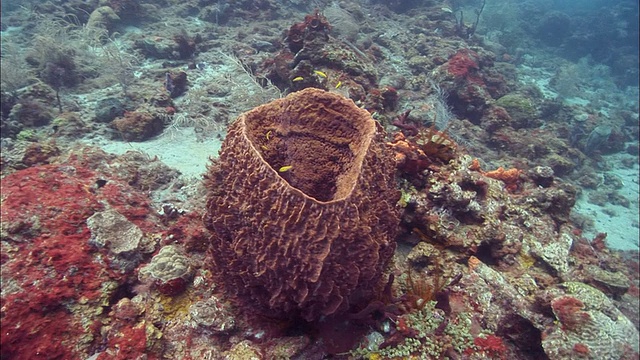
302	207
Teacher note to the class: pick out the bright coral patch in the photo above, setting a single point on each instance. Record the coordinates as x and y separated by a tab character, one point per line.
463	64
510	177
492	346
49	270
569	311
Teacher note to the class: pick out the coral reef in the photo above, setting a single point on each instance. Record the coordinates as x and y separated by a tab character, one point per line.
313	58
40	153
505	120
313	25
315	160
428	148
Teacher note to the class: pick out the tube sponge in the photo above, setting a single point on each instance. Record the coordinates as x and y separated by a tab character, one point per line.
302	207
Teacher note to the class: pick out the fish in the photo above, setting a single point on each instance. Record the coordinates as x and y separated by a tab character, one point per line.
320	73
297	78
338	84
285	168
268	135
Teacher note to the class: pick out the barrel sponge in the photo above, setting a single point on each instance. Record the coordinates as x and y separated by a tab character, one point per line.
302	207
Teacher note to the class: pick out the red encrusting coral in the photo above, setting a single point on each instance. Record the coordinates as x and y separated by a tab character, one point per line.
634	291
569	311
56	265
510	177
53	271
491	345
463	64
130	342
132	204
581	349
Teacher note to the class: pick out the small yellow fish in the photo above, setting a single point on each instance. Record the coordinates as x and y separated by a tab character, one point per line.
297	78
338	84
320	73
264	147
268	135
285	168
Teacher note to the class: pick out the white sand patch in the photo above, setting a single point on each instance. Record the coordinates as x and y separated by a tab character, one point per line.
620	223
179	148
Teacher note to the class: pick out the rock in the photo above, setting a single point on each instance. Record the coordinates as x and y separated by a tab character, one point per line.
102	18
108	109
138	125
554	253
521	109
615	282
112	230
590	326
423	254
542	175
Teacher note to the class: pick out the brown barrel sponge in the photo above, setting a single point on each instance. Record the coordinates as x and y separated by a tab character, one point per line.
302	207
